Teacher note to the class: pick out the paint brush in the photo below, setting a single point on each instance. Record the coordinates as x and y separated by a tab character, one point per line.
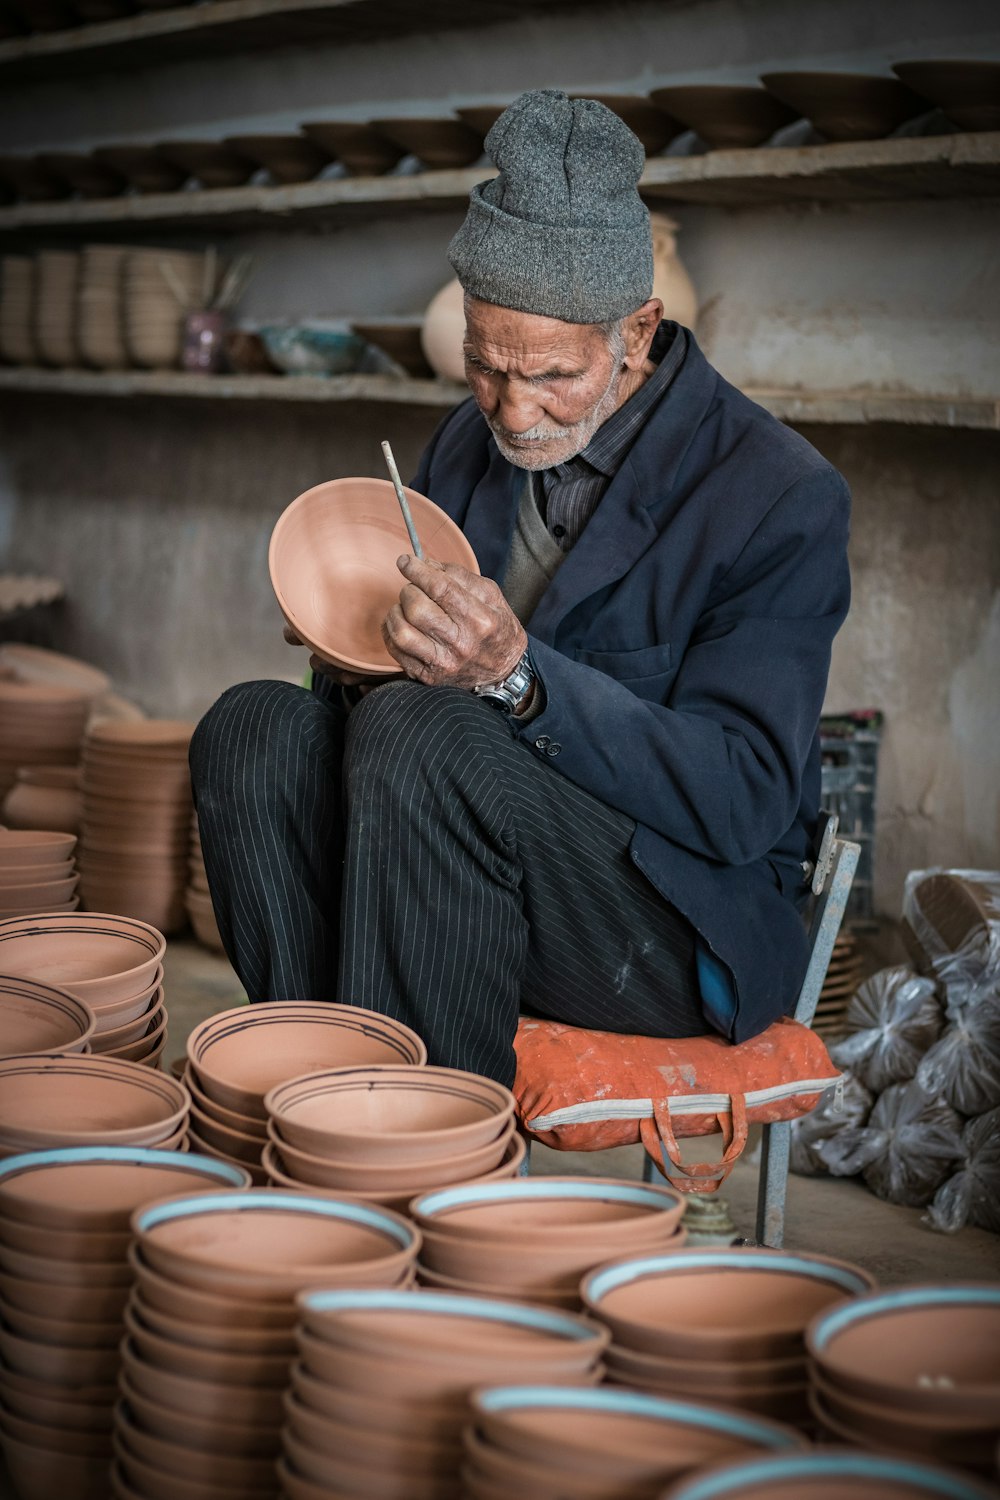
397	485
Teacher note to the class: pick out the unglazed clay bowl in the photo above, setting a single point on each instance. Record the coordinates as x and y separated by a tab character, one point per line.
917	1349
49	1330
53	1409
231	1143
108	1246
273	1243
69	1273
18	875
846	106
70	1304
341	1474
327	1172
145	1047
59	1364
535	1265
242	1405
238	1055
411	1418
144	167
60	1440
947	1438
39	897
968	90
244	1124
258	1175
388	1116
176	1463
90	178
114	1014
246	1367
133	1030
718	1304
36	1018
214	165
332	561
223	1338
827	1474
725	115
47	1102
202	1434
541	1295
399	338
96	957
440	144
700	1377
553	1211
360	147
38	1471
21	847
274	1165
372	1447
288	158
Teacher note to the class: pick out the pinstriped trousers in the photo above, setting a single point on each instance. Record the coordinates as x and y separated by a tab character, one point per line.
415	858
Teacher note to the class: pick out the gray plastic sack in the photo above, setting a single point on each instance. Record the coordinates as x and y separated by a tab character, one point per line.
891	1021
963	1066
845	1106
972	1195
910	1144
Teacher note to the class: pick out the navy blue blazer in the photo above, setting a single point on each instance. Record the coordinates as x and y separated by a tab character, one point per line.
683	649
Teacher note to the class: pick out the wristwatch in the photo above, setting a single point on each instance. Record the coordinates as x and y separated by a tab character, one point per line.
513	691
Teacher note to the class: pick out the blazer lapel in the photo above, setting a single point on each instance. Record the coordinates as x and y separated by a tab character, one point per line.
492	513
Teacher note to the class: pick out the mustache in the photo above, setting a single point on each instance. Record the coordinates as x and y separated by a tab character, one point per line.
540	433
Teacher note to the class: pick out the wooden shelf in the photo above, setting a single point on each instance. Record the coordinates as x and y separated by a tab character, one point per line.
857	408
942	166
155	38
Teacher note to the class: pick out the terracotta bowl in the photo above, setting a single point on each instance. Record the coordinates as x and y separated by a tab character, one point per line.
238	1055
133	1030
968	90
725	115
112	1015
36	1018
258	1175
70	1304
37	1471
83	1246
90	178
21	847
700	1377
46	1268
40	896
440	144
328	1172
148	1482
653	126
536	1265
96	957
919	1349
846	106
551	1211
56	1410
221	1338
947	1439
237	1144
288	158
244	1124
61	1440
47	1330
58	1364
358	146
399	338
272	1243
541	1295
209	1310
144	167
18	875
340	1475
371	1447
388	1116
828	1474
201	1434
413	1419
245	1367
46	1102
332	561
146	1047
213	164
718	1304
274	1165
184	1466
214	1400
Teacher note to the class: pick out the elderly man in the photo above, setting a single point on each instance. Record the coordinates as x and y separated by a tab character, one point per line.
593	791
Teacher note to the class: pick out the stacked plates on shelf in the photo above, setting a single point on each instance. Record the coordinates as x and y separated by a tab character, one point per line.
136	819
721	1326
535	1238
160	288
37	874
37	1018
17	310
197	897
52	1101
387	1134
99	331
914	1372
237	1056
55	307
210	1330
842	979
380	1393
66	1214
113	964
548	1442
40	724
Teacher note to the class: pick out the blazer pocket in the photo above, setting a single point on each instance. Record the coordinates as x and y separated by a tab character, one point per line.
630	666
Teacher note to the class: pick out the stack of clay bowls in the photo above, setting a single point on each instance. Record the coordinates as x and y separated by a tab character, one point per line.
99	325
828	1474
197	897
720	1326
44	797
48	1101
387	1134
64	1283
37	1018
113	964
380	1391
237	1056
915	1372
136	820
40	724
535	1238
37	874
548	1442
210	1331
160	287
17	310
57	274
842	979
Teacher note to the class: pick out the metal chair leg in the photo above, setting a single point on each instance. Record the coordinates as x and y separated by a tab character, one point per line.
773	1183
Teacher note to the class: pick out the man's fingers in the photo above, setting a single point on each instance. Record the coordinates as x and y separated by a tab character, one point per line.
290	636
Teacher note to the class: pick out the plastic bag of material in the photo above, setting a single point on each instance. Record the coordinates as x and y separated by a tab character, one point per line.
963	1066
972	1195
951	926
844	1107
891	1021
910	1144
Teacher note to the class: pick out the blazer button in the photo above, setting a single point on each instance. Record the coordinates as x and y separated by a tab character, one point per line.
552	749
542	742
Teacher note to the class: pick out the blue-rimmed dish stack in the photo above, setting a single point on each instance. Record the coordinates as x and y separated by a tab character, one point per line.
828	1474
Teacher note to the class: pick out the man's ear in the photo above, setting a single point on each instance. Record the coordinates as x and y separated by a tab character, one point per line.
639	330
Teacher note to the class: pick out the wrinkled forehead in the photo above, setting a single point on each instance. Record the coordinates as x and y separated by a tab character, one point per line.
505	338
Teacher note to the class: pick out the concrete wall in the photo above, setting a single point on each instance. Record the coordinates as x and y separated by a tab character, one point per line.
157	515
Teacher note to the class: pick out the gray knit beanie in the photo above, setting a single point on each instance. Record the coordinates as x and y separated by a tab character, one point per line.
562	230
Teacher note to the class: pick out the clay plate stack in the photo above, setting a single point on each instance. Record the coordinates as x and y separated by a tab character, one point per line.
40	724
210	1330
73	1100
722	1326
237	1056
99	323
548	1442
827	1474
842	979
38	1019
64	1218
113	964
386	1134
17	310
55	307
44	798
534	1239
136	820
914	1372
37	875
379	1394
197	897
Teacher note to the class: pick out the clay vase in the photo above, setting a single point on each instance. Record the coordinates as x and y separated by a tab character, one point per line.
45	797
443	332
671	282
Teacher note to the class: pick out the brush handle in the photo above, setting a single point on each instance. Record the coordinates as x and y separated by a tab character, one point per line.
397	485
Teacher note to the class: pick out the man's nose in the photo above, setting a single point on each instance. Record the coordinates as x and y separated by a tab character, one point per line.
519	409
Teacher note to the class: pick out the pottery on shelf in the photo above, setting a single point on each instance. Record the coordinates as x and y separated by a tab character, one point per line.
288	158
443	332
361	148
846	106
400	339
653	126
87	176
29	178
440	144
726	115
671	282
968	90
143	166
214	164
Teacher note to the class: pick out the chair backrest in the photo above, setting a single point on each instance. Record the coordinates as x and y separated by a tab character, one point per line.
827	915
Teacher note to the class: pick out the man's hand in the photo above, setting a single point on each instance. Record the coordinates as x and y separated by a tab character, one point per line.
452	628
362	680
